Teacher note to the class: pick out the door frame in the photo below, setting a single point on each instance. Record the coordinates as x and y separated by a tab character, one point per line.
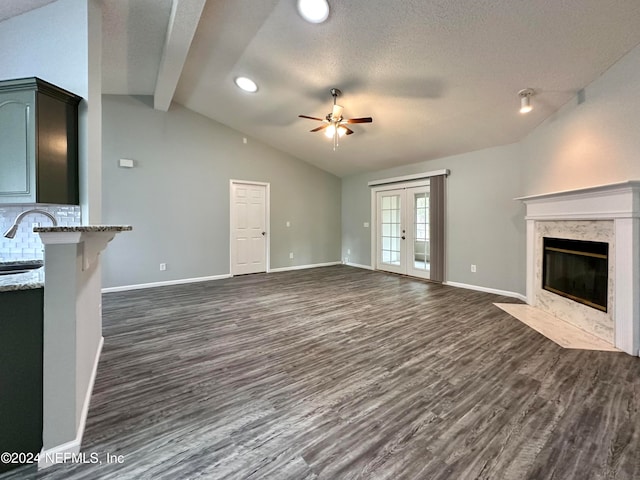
267	222
424	182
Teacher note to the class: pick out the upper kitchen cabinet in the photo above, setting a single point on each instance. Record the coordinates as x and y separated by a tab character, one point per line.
38	143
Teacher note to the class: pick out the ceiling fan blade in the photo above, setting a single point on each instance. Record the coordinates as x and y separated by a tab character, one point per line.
349	131
359	120
312	118
320	128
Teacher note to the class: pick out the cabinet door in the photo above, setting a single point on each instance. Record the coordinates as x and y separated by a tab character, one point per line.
56	151
21	340
17	141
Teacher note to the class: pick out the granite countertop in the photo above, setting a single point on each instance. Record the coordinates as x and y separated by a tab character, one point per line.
22	281
85	228
35	278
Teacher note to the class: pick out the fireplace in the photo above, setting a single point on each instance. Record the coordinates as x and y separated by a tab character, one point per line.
576	269
605	214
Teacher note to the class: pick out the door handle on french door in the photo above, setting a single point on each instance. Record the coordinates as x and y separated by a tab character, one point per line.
403	237
264	233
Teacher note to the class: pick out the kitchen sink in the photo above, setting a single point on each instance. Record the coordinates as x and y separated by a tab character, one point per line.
18	267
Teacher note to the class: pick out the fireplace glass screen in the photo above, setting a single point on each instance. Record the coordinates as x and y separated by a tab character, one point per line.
577	270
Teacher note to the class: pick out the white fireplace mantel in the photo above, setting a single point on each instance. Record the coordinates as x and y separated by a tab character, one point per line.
619	202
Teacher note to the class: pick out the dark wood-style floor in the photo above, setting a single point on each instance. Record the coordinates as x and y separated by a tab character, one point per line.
341	373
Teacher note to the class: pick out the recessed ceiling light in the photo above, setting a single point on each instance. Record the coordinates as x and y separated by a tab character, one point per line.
246	84
314	11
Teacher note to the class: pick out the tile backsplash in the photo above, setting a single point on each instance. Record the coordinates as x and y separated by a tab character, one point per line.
27	245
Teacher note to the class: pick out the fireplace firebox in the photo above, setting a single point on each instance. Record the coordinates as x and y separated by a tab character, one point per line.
577	270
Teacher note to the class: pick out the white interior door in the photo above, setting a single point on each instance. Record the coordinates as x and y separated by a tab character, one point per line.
402	231
248	228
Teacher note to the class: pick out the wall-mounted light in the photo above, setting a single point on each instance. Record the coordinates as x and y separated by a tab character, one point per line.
313	11
246	84
525	100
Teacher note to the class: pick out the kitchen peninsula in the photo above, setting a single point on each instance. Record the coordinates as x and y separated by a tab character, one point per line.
72	330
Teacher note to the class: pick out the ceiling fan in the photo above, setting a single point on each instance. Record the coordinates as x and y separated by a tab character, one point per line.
334	123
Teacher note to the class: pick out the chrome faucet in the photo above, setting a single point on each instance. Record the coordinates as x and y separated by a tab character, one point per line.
14	228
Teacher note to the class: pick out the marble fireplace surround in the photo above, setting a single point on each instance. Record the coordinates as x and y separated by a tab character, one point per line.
609	213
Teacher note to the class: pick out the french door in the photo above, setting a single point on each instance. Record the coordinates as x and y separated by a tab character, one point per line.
402	231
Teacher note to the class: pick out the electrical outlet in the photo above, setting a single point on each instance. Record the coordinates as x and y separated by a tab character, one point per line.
288	223
366	224
348	251
163	267
473	268
290	254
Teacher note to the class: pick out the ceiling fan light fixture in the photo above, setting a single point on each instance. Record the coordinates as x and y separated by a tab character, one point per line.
330	131
525	100
313	11
334	125
246	84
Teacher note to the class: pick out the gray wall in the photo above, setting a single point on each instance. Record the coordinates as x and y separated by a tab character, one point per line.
50	43
177	196
594	139
485	226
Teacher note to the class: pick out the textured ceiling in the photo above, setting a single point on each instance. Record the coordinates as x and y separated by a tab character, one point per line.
133	37
439	77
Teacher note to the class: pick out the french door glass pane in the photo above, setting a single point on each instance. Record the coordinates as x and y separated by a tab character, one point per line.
421	257
391	229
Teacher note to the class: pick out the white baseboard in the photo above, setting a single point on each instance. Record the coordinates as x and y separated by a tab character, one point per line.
60	453
304	267
182	281
495	291
125	288
357	265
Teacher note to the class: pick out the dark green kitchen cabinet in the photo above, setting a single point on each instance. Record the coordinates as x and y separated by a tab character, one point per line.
21	344
38	143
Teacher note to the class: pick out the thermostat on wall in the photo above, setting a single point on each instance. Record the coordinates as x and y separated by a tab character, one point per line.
126	163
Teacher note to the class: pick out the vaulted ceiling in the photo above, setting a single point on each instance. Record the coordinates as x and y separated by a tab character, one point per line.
439	77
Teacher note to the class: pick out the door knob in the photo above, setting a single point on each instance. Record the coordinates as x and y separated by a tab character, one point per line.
403	237
264	233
